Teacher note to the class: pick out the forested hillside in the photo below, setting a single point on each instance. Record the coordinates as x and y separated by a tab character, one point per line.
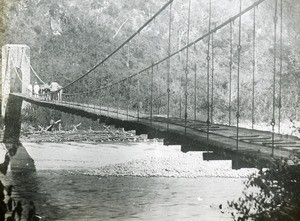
67	38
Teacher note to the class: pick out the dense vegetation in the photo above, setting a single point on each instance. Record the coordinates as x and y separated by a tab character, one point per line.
67	38
272	195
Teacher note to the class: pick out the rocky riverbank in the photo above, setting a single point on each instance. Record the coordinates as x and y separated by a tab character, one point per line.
179	165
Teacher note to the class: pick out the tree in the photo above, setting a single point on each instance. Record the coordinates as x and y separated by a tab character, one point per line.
273	194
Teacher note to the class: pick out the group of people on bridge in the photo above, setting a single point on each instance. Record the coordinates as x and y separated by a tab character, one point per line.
51	91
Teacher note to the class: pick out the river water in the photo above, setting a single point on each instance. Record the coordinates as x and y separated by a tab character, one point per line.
64	192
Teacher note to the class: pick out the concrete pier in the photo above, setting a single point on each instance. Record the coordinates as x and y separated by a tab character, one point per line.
15	72
12	120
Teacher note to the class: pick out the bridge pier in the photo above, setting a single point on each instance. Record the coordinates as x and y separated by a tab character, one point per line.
15	76
12	120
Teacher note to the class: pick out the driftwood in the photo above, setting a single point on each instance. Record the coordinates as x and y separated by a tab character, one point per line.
49	128
107	134
75	127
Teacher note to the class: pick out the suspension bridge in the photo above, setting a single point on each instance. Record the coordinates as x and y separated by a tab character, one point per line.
148	99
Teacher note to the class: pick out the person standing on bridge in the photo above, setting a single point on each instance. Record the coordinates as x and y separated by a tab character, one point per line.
45	91
36	89
54	86
29	88
59	94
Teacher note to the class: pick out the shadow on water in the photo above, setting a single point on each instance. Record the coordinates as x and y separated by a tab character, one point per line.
20	159
20	172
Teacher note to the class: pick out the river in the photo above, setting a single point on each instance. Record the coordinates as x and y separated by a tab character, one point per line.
58	183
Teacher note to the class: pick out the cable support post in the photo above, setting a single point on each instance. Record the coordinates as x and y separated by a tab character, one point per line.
207	80
168	92
138	99
158	91
212	78
128	98
230	72
274	77
195	93
239	47
280	68
169	67
180	97
117	98
101	99
88	92
253	65
151	96
93	97
107	95
72	99
187	69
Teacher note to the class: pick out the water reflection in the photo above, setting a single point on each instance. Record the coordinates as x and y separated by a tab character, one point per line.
17	165
17	157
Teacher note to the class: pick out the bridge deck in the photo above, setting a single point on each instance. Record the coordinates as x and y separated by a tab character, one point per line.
253	142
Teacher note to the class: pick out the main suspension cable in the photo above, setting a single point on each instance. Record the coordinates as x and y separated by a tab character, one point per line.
189	45
16	71
122	45
38	77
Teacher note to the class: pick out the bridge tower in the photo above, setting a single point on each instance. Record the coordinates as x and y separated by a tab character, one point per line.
15	76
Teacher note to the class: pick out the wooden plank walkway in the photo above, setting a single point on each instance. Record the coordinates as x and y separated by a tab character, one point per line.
253	142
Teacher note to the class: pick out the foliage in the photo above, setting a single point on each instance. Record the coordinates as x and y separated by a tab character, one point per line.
273	194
